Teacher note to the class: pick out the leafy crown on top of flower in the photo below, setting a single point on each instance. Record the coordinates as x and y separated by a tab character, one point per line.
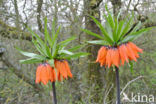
116	31
49	49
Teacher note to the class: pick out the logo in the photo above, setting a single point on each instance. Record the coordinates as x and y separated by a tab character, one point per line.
139	98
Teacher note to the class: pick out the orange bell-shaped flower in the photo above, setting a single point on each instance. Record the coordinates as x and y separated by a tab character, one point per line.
63	69
45	73
109	56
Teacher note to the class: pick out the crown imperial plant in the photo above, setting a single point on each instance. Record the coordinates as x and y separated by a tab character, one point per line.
52	56
116	42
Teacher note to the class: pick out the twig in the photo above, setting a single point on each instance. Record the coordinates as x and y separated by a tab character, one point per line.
104	102
129	5
130	83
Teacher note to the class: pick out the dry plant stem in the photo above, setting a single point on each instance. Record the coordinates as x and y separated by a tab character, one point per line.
130	83
54	93
117	85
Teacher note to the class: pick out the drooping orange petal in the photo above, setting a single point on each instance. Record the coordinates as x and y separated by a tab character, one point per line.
54	74
135	47
109	57
59	76
63	69
130	53
115	57
101	54
50	73
135	51
38	74
123	53
44	77
102	60
58	68
68	69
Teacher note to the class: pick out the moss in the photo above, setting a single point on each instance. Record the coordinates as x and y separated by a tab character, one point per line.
13	32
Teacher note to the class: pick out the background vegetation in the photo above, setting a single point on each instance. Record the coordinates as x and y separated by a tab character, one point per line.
91	83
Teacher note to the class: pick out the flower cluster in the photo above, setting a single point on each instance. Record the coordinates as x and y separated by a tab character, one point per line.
118	55
45	72
53	53
63	69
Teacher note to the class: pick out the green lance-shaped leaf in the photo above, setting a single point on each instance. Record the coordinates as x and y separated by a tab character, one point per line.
53	28
65	52
38	47
48	51
135	35
98	42
37	37
75	48
66	42
127	26
115	37
136	27
54	43
54	50
110	23
47	35
110	18
54	39
92	33
120	29
76	55
30	61
45	30
119	14
31	55
39	41
108	27
106	35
